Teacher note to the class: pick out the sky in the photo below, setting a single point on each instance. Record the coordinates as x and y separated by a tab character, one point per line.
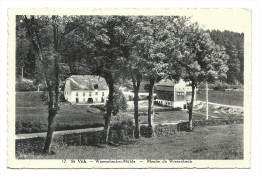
232	20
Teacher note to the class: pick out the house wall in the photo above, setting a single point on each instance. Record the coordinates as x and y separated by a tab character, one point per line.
179	97
67	90
72	95
96	96
165	95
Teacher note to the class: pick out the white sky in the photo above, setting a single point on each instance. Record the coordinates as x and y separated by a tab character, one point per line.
232	20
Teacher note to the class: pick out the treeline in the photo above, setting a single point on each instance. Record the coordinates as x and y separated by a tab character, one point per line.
234	44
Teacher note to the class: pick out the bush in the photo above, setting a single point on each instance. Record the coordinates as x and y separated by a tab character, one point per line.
184	126
62	97
25	85
119	101
38	126
220	86
122	131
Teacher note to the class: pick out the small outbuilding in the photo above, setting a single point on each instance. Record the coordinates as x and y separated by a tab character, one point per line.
86	89
175	94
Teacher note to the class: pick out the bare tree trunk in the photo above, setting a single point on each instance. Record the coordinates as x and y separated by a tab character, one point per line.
51	126
136	85
151	106
53	105
109	110
137	125
191	106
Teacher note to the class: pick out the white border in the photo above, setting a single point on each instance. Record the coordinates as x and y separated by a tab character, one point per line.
255	135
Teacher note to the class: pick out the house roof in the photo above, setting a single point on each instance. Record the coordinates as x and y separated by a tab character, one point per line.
166	82
87	82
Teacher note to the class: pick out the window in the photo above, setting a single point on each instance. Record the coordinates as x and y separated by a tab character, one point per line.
77	94
83	94
96	99
90	94
96	93
84	99
180	96
96	86
102	93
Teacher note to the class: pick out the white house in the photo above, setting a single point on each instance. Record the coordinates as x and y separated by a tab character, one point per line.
175	94
86	89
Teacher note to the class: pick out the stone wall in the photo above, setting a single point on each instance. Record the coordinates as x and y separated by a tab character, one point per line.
35	145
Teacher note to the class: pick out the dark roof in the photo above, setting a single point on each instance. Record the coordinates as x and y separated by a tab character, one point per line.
166	82
164	88
87	82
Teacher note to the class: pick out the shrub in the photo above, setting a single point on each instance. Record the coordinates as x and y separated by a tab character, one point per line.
62	98
25	85
119	101
37	126
184	126
220	86
122	131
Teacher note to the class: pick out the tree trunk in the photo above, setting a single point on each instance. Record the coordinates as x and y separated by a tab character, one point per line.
109	110
51	126
53	102
136	86
191	105
151	106
137	125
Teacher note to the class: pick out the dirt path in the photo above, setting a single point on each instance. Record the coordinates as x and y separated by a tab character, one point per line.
231	106
34	135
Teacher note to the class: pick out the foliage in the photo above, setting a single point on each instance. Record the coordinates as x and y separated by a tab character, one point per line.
62	97
220	86
119	101
25	85
200	58
234	44
122	131
36	125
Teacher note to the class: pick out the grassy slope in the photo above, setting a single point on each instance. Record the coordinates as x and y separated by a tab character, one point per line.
31	115
214	142
223	97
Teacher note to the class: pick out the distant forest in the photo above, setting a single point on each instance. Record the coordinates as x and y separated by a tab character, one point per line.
234	44
26	62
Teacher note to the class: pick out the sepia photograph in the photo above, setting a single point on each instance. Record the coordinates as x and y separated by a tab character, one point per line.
129	88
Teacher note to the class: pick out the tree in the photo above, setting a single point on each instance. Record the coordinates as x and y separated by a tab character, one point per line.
105	35
153	39
233	63
234	44
136	65
25	56
161	61
201	60
45	34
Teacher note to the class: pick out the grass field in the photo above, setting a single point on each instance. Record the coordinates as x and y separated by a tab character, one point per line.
233	97
31	115
212	142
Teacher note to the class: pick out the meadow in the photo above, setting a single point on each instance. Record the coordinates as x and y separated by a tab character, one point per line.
31	114
210	142
228	97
